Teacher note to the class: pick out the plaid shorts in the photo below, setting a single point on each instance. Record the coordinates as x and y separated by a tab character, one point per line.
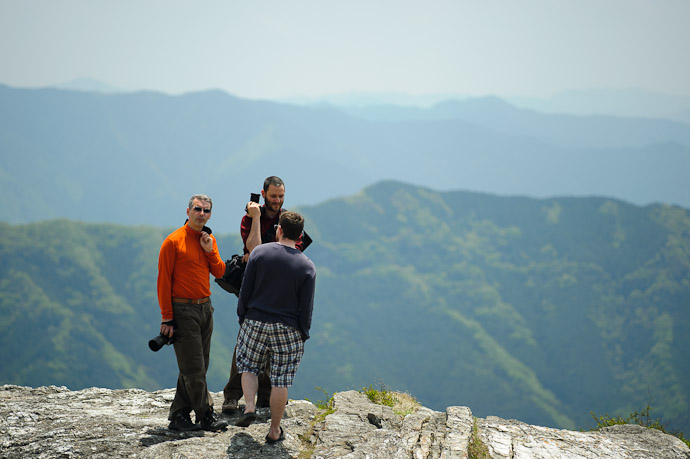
284	344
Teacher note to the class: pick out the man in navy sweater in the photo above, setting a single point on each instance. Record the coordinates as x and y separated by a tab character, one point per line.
274	310
257	227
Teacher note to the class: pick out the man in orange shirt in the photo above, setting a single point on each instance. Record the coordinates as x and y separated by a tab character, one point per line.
187	256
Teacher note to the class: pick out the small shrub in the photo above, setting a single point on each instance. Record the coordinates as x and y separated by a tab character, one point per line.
402	403
324	404
642	418
477	449
379	396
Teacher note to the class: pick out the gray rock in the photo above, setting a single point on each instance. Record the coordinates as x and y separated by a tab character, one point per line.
517	440
54	422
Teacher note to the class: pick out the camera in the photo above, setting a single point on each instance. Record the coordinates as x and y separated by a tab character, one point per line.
253	197
161	340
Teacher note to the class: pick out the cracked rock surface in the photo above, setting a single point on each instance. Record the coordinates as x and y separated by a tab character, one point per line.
54	422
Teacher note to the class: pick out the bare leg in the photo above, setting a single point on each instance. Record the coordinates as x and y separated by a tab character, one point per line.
250	384
279	398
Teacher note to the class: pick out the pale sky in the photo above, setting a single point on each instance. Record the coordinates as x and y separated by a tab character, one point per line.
270	49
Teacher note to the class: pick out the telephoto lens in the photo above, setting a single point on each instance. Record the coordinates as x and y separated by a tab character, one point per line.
158	342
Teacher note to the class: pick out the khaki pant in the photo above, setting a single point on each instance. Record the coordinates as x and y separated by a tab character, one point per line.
192	349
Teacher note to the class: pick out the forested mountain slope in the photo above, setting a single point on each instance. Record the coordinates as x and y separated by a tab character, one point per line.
537	309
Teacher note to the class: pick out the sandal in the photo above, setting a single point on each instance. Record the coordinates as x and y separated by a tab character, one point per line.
246	419
270	441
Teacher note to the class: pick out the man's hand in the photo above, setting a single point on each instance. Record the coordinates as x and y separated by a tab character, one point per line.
253	209
206	241
167	330
254	237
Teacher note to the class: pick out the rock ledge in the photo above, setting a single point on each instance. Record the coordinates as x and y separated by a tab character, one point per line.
54	422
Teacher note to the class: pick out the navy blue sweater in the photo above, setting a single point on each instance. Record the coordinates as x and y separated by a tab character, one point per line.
278	287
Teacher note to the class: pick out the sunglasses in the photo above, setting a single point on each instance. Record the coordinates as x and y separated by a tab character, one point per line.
201	209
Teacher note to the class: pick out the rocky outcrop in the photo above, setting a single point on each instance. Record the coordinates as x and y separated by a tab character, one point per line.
54	422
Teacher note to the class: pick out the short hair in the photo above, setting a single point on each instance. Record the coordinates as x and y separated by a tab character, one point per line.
200	197
292	224
273	180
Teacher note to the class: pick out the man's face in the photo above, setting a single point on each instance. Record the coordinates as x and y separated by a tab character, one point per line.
274	197
198	218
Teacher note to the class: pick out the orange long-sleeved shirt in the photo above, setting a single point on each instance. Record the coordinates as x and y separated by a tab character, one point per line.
183	269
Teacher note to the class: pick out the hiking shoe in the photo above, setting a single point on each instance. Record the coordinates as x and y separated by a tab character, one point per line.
211	423
230	406
182	421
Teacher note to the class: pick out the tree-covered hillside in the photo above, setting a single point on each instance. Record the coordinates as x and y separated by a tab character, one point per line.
79	306
540	310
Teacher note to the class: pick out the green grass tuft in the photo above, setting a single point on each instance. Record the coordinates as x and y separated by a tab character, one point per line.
402	403
477	449
642	418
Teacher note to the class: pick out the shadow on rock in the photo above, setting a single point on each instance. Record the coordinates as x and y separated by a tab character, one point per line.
243	445
161	434
262	415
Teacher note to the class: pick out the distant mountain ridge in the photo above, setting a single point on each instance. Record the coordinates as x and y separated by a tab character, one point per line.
613	102
561	130
624	103
90	156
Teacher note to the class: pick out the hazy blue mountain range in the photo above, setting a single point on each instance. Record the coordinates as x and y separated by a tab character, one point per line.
136	158
626	103
563	131
536	309
614	102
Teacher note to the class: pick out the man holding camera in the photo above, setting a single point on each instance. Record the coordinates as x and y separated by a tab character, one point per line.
187	257
274	310
257	227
